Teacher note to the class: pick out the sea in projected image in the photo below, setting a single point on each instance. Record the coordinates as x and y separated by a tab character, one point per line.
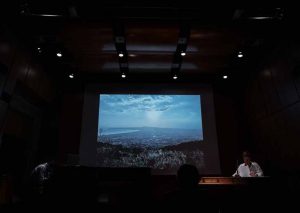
148	136
157	131
116	131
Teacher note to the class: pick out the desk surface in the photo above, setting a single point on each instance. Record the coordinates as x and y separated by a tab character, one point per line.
230	180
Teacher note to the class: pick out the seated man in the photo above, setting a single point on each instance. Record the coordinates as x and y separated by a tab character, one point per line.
248	168
42	174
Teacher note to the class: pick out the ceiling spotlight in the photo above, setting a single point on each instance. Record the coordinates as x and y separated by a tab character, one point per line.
121	55
175	77
71	75
39	49
261	18
123	75
183	53
240	55
59	54
132	55
48	15
225	76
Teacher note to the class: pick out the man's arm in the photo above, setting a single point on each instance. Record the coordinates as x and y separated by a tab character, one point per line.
259	171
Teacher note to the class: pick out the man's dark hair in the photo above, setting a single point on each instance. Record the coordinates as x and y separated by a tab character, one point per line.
246	154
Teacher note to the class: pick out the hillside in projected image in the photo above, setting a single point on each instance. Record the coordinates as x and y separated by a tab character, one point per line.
157	131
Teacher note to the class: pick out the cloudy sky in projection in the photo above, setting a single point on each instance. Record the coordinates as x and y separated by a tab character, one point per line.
165	111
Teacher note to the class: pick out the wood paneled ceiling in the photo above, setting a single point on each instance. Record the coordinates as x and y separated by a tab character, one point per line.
150	48
86	35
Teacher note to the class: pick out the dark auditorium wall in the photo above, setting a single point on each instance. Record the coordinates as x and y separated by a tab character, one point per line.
27	98
70	126
230	129
272	108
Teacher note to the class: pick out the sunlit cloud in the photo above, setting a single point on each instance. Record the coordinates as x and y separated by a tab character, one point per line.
120	103
165	111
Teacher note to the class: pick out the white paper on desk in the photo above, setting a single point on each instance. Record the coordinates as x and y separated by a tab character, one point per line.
244	171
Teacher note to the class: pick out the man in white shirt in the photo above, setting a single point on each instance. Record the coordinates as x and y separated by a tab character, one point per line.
248	168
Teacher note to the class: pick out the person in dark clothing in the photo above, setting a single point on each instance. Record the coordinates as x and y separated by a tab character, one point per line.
188	177
189	195
41	180
41	175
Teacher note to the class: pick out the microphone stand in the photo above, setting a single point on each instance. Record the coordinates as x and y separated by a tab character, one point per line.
237	168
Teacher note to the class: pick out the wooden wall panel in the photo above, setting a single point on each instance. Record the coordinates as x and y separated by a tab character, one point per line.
296	77
269	91
18	124
282	75
18	71
255	103
275	133
292	141
7	48
70	125
227	130
24	80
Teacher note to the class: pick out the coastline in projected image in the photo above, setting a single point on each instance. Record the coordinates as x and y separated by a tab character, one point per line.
157	131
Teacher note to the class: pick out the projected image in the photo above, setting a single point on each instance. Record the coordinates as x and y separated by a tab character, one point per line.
157	131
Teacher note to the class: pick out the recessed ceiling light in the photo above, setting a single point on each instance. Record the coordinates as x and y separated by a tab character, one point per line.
123	75
71	75
59	54
183	53
175	77
240	55
48	15
132	55
121	55
225	76
261	18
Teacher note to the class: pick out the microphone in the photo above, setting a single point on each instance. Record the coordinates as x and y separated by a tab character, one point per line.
237	167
